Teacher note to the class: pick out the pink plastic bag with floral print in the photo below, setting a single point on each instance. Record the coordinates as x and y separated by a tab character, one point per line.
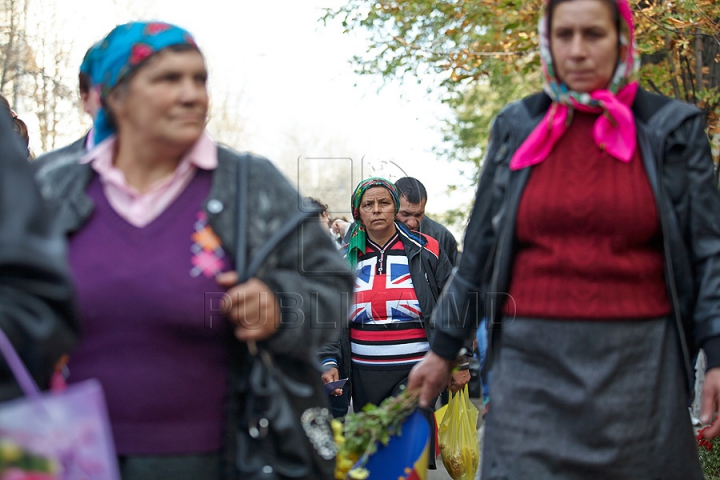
54	435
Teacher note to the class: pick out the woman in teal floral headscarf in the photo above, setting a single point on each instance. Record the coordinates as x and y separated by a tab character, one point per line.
151	215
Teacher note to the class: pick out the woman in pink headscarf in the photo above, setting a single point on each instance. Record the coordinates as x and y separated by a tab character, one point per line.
594	250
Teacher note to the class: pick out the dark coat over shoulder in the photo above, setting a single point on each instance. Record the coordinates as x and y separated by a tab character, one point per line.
69	152
36	298
447	241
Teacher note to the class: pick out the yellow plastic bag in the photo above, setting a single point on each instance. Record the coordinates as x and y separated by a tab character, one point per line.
439	414
457	434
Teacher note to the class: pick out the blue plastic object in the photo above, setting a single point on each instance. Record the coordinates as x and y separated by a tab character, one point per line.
406	456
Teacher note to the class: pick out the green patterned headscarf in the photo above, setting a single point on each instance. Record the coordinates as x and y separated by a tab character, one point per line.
358	236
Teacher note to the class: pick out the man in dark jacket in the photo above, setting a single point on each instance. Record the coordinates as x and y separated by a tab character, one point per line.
413	199
90	98
36	308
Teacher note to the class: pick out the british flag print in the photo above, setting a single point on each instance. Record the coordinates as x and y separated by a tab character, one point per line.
385	298
386	317
365	276
398	273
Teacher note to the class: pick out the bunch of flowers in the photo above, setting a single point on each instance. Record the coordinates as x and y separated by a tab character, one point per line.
17	463
709	455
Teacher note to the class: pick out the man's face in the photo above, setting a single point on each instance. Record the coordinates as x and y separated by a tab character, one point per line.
411	214
324	220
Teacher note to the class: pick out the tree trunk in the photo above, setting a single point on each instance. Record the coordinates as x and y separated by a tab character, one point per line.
711	59
8	49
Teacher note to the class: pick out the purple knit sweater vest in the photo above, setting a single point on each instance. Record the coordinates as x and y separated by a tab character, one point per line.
142	298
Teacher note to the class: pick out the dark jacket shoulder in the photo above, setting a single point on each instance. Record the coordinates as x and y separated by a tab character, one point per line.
289	266
447	241
415	241
68	153
429	266
37	312
653	108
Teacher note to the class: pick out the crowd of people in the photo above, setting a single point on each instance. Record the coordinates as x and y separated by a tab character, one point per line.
170	268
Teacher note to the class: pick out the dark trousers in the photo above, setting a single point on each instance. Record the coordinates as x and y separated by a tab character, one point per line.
339	405
176	467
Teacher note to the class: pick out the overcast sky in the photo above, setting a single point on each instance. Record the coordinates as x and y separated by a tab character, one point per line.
289	78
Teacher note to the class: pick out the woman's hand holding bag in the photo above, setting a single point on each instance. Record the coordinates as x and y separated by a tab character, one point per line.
251	307
54	435
284	422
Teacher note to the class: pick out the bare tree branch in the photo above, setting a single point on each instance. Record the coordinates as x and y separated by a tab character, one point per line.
654	87
673	69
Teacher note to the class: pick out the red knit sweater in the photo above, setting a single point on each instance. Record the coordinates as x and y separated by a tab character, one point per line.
589	244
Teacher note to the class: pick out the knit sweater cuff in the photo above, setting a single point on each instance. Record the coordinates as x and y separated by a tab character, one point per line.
329	363
711	346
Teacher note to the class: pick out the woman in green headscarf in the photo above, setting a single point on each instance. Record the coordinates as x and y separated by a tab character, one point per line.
399	274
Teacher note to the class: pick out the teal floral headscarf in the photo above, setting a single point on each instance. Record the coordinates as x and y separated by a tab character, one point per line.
358	236
121	52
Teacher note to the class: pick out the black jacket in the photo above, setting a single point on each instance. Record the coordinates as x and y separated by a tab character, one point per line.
69	152
447	241
429	270
677	159
36	298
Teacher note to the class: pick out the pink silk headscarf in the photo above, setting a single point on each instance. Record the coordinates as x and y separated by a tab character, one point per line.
614	131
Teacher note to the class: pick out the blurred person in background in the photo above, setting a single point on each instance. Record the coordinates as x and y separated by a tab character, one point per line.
339	398
341	228
19	126
90	98
335	229
325	220
322	208
413	200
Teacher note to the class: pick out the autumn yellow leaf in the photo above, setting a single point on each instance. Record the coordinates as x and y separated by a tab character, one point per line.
678	23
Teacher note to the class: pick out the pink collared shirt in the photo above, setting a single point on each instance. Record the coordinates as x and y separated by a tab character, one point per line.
90	139
139	209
